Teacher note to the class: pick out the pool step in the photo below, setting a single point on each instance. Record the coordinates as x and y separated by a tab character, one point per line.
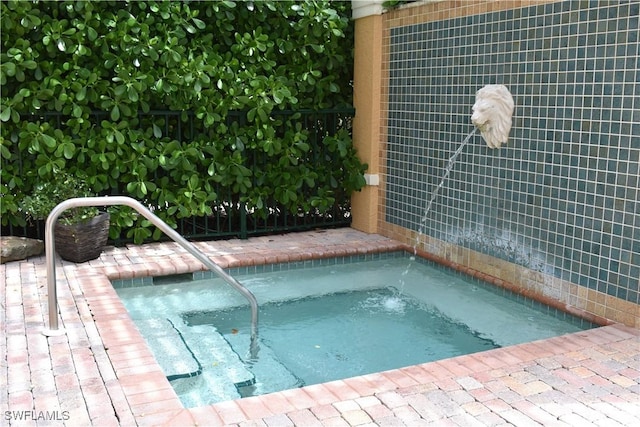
205	367
270	375
223	370
169	348
197	360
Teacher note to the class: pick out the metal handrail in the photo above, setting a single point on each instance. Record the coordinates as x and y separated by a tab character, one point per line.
164	227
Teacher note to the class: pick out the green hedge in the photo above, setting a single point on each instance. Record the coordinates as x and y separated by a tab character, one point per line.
81	80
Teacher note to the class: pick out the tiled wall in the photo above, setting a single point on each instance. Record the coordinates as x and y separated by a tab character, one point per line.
563	196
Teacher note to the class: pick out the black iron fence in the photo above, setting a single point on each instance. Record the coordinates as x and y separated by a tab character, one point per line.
231	217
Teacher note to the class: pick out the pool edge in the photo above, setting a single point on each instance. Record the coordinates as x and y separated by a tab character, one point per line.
147	390
73	376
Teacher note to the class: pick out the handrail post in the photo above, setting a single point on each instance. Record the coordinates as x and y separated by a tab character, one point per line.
164	227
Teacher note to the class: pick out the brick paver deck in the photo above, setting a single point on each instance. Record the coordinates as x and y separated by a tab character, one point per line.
101	373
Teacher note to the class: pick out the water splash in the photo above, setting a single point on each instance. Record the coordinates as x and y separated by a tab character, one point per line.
394	303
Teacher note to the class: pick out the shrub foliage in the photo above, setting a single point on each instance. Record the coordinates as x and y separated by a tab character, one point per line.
81	81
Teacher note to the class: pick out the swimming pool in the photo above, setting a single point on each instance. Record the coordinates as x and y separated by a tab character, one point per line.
324	320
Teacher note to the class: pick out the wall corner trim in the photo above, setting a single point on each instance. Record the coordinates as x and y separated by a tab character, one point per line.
364	8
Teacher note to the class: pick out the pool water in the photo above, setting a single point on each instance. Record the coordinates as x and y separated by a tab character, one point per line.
325	322
340	335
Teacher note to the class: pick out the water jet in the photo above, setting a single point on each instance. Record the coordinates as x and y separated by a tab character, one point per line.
491	115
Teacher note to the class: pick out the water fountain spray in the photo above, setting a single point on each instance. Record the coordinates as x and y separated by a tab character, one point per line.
492	116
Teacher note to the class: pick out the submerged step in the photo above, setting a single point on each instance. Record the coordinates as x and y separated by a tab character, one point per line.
169	348
197	360
269	373
223	370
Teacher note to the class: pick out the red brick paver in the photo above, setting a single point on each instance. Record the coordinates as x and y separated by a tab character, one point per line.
102	373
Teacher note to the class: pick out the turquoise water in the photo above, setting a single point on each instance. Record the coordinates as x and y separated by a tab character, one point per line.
326	322
324	338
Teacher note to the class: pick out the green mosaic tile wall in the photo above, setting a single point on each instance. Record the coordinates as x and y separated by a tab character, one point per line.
563	196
